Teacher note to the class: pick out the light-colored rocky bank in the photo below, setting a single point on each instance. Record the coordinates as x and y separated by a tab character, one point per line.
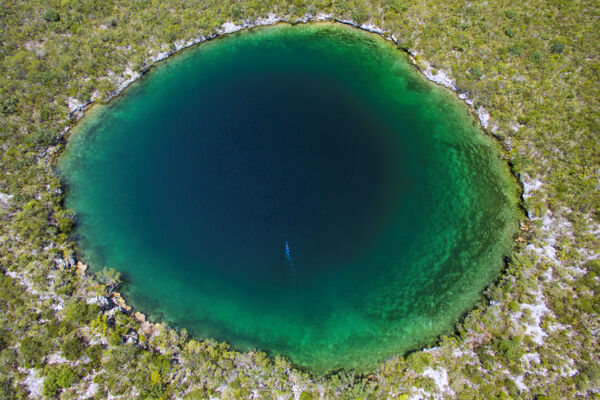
440	77
531	326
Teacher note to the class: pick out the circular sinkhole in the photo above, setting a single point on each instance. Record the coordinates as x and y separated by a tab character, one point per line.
296	189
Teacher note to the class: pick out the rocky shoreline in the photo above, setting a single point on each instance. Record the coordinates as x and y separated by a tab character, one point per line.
535	333
115	300
440	77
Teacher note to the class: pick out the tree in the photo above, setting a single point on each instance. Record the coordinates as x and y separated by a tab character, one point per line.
32	351
79	312
51	15
58	378
72	348
110	278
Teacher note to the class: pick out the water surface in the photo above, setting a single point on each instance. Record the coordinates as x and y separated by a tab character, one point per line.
300	190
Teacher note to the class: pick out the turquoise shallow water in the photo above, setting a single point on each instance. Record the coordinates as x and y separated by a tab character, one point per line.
300	190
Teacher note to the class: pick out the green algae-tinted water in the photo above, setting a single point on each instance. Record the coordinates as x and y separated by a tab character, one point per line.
396	210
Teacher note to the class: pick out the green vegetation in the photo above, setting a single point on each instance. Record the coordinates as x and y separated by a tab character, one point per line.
533	67
32	350
72	349
58	378
110	278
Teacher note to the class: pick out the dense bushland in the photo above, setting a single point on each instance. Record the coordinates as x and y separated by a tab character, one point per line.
534	66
